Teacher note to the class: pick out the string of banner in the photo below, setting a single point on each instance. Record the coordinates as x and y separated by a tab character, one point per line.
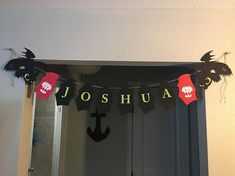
25	67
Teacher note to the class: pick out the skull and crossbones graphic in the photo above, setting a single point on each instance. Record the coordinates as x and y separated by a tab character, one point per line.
187	90
45	87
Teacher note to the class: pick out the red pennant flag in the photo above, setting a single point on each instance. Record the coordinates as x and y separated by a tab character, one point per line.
46	86
187	91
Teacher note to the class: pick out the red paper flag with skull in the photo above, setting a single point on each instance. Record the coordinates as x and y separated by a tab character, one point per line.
46	86
187	91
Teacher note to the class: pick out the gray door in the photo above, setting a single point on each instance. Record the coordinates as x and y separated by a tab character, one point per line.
160	143
110	156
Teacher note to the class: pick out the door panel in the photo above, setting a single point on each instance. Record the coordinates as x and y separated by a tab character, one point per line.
162	139
159	145
159	142
182	139
108	157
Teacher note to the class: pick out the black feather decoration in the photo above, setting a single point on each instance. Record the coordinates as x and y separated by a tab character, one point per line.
222	69
28	54
25	67
207	57
14	64
211	71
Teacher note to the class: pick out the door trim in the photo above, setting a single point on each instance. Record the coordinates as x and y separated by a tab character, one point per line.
26	134
56	140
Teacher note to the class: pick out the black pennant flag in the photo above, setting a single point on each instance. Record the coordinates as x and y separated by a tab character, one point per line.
84	98
125	101
65	93
167	96
29	75
145	99
104	100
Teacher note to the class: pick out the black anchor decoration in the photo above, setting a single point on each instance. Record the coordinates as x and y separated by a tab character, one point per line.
211	70
97	135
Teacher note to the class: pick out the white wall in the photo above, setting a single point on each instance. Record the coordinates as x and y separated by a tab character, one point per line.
117	34
124	4
11	109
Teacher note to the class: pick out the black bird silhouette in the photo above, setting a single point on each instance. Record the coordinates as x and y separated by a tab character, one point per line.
24	67
210	70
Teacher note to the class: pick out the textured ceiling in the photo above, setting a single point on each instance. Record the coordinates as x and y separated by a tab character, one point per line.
198	4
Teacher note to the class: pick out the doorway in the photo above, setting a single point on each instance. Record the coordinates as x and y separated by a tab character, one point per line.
160	143
46	136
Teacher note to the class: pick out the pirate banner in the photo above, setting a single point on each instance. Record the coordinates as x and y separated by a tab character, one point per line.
46	86
84	98
187	91
211	70
65	93
166	95
205	72
125	101
104	100
24	67
145	99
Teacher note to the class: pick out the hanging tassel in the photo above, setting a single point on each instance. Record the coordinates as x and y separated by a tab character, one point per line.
224	84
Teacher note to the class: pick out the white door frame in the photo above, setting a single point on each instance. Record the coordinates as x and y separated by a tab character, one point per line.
32	127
